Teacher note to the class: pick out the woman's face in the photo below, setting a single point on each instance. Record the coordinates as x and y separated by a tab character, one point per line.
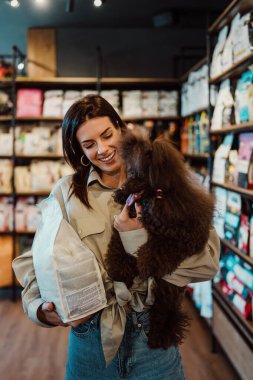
99	141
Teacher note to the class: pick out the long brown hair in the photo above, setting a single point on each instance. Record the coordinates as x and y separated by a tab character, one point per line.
87	108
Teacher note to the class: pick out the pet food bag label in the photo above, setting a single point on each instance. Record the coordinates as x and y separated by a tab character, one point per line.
67	271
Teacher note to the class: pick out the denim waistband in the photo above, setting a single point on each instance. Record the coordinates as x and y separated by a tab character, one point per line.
132	316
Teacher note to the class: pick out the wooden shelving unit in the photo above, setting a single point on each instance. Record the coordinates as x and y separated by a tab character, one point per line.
236	128
40	193
244	326
39	118
92	82
229	328
40	156
244	192
234	71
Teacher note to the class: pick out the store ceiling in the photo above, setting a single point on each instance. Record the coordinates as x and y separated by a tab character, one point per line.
113	13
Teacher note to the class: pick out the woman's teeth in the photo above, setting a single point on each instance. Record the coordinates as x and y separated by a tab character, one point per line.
108	158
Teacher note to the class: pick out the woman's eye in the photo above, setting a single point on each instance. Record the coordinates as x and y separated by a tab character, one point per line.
88	146
108	136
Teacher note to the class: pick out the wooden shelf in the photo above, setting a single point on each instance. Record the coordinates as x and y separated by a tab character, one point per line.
32	193
237	251
5	117
109	81
225	17
245	327
38	156
203	156
234	71
39	118
6	80
6	233
245	192
236	6
236	128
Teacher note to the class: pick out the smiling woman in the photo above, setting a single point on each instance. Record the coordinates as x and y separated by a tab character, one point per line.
113	342
91	131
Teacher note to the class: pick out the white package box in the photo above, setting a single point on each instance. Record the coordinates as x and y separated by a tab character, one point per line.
216	65
67	271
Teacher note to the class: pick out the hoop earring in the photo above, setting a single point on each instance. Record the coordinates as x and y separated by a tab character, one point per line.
83	163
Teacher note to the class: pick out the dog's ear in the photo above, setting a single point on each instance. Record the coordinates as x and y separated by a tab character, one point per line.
135	152
166	167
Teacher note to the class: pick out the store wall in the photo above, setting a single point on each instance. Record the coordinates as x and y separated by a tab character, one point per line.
127	52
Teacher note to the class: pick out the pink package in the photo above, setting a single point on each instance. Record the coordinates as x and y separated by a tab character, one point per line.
29	102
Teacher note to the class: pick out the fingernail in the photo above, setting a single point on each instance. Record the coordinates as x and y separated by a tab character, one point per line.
129	200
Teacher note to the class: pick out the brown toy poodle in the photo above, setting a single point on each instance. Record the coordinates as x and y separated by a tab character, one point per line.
177	214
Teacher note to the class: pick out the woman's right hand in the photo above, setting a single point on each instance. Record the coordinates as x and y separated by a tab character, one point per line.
46	314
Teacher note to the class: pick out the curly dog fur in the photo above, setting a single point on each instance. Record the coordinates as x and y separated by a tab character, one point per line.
177	214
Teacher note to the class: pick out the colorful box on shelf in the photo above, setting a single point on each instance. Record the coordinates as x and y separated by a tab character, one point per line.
29	102
220	159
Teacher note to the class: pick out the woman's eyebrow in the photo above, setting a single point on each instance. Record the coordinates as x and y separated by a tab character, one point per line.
103	133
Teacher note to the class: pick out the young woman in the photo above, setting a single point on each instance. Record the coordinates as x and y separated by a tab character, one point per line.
111	344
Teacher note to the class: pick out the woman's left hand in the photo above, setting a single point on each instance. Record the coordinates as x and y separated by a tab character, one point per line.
123	222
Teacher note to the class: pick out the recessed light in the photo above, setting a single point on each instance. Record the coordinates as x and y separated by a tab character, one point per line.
13	3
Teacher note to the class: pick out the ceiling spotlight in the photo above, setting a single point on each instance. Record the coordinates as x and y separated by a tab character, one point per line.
14	3
98	3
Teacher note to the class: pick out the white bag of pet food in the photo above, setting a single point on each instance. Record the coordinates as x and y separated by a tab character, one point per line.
67	271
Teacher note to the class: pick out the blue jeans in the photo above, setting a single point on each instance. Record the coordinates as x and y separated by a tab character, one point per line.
134	360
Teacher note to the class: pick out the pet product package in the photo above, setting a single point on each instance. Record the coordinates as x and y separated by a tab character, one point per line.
232	217
223	107
243	241
216	65
244	159
241	41
220	210
227	54
29	102
242	97
67	271
220	159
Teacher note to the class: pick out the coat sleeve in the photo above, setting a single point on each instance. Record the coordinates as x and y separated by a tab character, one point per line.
200	267
24	270
197	268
